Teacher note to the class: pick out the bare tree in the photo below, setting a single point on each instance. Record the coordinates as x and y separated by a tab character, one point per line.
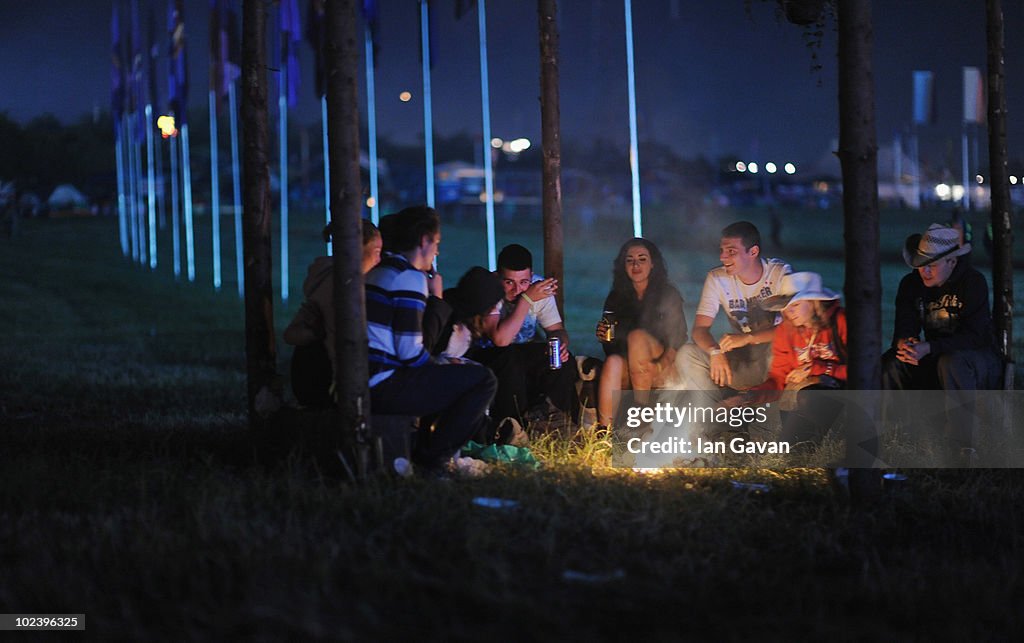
1002	232
551	144
263	386
346	211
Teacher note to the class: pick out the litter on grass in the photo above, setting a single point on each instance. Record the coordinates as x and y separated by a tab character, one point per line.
495	503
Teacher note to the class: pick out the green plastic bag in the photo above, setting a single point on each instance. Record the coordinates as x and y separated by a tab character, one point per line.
500	453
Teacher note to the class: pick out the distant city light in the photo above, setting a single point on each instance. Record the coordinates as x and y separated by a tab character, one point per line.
405	97
1013	180
979	178
519	145
741	166
790	168
752	168
370	202
942	191
166	125
958	192
496	143
770	167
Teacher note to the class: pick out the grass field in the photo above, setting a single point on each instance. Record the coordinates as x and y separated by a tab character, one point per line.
132	491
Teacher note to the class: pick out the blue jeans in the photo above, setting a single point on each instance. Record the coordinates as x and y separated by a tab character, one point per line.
458	394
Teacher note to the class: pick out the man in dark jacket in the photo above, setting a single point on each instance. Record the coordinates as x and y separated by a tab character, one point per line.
947	299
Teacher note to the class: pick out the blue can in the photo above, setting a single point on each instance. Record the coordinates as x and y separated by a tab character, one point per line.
554	353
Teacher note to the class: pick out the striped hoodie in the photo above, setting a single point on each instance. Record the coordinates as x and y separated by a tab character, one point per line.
396	296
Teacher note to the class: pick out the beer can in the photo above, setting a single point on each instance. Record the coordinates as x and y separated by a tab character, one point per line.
554	353
608	317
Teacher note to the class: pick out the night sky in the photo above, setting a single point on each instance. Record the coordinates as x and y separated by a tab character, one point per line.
712	78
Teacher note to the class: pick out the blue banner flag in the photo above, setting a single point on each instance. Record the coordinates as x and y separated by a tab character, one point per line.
924	98
177	97
371	14
116	70
316	36
290	39
224	68
153	95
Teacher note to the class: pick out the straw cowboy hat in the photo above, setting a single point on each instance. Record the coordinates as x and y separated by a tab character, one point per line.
936	243
797	287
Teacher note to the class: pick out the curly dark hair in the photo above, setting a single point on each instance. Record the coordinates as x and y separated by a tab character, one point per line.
621	284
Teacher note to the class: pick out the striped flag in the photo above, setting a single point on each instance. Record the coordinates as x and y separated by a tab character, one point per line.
371	14
224	67
316	36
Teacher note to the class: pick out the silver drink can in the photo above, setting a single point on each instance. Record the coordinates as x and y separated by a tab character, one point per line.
554	353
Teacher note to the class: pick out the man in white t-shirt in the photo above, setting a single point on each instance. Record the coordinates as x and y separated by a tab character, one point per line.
512	346
740	359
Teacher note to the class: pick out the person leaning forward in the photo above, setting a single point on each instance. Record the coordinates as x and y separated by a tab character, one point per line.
946	299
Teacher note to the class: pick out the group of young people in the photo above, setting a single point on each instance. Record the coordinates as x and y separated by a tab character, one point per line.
471	356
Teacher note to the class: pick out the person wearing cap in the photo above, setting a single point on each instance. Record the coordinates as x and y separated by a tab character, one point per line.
510	343
945	299
311	331
649	326
808	353
475	298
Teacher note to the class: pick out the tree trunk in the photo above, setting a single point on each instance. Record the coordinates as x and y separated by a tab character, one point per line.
260	348
353	396
858	153
1002	232
551	144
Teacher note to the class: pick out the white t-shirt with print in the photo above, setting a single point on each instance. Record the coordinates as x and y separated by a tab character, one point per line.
742	302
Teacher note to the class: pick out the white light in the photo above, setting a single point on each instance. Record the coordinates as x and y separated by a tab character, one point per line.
942	191
741	166
520	145
958	192
770	167
790	168
1013	180
369	201
979	178
496	143
752	168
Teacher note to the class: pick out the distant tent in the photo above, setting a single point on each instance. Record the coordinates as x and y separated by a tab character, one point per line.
67	196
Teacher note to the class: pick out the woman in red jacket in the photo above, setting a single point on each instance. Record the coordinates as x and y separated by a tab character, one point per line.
808	353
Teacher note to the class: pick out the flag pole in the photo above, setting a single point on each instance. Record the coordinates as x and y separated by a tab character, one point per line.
327	168
151	186
282	107
122	222
634	162
371	124
141	229
215	189
965	161
186	173
428	118
236	186
485	100
175	213
133	220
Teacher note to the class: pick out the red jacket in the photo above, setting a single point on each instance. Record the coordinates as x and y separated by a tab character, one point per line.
793	347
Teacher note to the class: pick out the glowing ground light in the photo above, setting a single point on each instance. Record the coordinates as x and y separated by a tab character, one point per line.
405	97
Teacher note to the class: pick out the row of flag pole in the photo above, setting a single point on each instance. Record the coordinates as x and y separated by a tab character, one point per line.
133	100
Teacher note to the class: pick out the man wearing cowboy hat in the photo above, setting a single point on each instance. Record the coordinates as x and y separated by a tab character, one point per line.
946	299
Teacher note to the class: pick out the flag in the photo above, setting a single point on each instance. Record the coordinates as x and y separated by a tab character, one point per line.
137	82
371	15
924	98
462	7
316	36
117	96
177	95
974	96
290	40
224	69
154	55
